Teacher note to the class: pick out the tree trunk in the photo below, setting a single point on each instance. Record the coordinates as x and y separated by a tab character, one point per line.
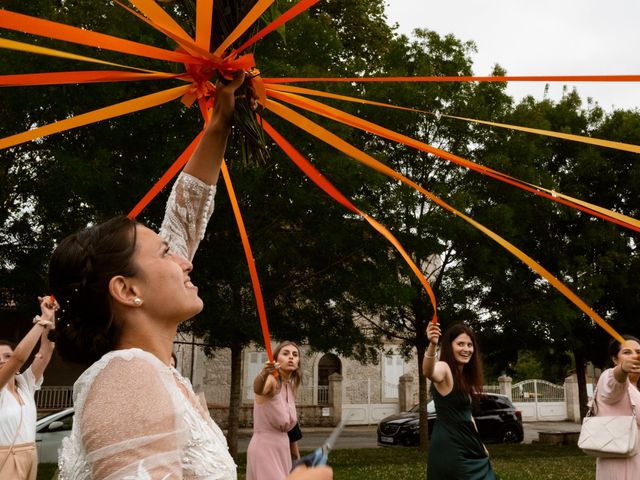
235	398
582	381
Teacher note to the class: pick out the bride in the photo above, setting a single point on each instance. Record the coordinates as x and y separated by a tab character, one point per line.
123	291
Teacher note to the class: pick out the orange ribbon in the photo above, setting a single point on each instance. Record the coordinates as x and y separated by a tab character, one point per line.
334	193
60	31
253	273
92	76
204	62
204	18
105	113
627	147
256	11
166	177
294	11
496	78
348	149
357	122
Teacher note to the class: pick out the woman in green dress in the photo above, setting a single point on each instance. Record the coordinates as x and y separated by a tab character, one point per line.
456	451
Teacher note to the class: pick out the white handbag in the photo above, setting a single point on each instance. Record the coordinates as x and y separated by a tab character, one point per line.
608	437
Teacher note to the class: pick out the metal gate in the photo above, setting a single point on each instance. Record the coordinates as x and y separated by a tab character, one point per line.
539	400
362	402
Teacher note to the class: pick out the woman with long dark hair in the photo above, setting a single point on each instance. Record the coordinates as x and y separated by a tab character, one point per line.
274	414
123	290
456	451
616	392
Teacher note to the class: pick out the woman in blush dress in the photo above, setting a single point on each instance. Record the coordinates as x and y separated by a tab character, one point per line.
616	391
274	414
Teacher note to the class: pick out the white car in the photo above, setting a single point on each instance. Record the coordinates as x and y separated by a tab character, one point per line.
50	431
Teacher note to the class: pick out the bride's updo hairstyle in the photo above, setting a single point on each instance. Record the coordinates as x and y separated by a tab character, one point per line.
79	273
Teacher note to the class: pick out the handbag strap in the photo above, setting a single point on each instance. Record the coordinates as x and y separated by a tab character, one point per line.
593	405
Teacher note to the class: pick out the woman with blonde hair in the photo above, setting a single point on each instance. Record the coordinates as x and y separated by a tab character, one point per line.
274	414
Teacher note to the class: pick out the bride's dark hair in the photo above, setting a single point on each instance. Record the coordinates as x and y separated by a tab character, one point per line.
79	273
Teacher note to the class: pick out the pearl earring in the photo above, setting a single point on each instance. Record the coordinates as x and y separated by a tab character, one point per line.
137	301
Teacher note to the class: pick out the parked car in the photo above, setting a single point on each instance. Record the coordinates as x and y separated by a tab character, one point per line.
497	420
50	430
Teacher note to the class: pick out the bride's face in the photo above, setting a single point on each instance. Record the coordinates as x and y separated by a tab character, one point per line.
162	279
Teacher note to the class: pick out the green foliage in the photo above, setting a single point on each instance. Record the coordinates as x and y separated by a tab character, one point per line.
327	278
527	367
510	462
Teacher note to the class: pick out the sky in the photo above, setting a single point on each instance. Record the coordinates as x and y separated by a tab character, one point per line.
540	37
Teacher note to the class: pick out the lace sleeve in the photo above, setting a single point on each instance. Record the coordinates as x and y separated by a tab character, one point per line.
129	425
188	211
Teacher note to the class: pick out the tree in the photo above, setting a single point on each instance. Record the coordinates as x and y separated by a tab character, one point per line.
589	255
324	273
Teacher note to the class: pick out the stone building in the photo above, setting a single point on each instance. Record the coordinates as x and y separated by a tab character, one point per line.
367	392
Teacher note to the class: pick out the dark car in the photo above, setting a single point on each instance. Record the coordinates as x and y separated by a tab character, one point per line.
497	420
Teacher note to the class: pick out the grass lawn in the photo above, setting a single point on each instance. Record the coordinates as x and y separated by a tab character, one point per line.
511	462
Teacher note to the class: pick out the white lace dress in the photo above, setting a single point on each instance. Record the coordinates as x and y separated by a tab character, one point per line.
135	417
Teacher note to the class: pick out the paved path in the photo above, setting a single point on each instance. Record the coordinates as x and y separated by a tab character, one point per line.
365	436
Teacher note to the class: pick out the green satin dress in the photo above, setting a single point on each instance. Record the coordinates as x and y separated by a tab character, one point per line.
456	451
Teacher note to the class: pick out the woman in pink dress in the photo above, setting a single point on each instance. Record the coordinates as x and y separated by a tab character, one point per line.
274	414
617	390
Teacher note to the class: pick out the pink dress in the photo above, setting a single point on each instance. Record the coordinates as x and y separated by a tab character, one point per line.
614	400
268	455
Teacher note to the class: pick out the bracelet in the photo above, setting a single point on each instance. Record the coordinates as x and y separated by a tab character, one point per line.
38	320
431	356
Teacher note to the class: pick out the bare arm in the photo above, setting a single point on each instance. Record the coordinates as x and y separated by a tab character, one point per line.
438	372
624	368
207	158
295	451
430	361
315	473
25	347
265	383
43	357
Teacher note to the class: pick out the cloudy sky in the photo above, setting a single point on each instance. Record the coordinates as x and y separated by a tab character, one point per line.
541	37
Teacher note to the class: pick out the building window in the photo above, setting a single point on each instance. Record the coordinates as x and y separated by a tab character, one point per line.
255	363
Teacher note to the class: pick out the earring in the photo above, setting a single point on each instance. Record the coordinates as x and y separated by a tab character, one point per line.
137	301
